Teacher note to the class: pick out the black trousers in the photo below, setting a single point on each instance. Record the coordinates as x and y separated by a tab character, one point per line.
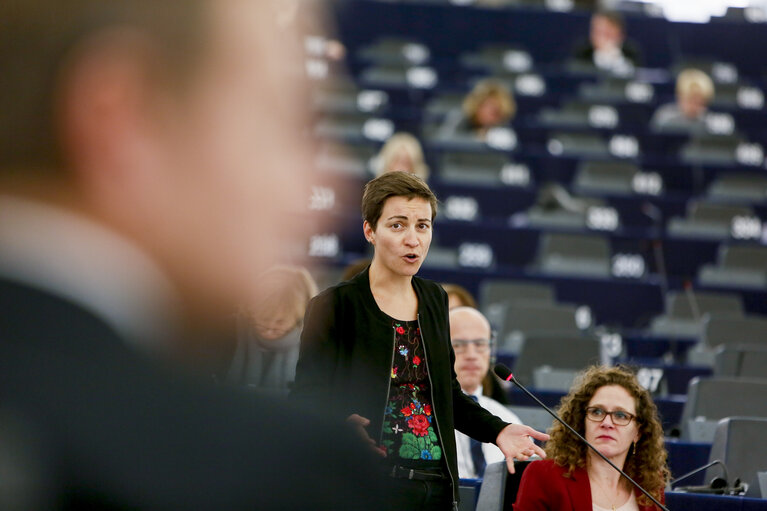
416	495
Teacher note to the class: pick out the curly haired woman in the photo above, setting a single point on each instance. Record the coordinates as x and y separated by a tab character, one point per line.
616	415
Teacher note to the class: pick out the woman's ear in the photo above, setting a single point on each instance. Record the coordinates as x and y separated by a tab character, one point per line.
369	232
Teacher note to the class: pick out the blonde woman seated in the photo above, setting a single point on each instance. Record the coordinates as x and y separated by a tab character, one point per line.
616	415
401	152
490	104
269	331
694	92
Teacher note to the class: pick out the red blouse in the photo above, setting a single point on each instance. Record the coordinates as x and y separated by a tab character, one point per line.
545	487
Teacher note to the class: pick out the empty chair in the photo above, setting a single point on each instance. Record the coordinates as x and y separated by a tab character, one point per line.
711	149
574	254
498	57
719	330
441	257
737	266
580	114
617	90
499	488
354	127
533	416
399	75
351	160
343	96
741	443
559	357
495	296
707	220
395	50
605	177
712	399
523	320
492	494
578	144
512	291
473	167
686	312
741	361
740	186
726	330
439	106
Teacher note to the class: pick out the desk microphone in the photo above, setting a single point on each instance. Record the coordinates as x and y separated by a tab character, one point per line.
505	373
716	484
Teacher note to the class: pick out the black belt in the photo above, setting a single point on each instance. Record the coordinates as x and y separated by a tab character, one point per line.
400	472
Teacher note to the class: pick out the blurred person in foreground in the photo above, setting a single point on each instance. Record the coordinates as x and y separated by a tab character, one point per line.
147	178
377	349
607	47
471	337
269	331
694	92
402	151
616	415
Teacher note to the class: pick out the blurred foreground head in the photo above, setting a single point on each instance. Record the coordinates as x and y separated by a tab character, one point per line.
172	123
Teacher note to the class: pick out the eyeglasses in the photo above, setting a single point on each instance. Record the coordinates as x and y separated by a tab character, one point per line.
619	417
481	345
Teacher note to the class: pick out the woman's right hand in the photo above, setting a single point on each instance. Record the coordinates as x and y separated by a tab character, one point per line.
360	423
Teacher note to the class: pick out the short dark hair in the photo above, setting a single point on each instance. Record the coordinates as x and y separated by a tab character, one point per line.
394	184
38	39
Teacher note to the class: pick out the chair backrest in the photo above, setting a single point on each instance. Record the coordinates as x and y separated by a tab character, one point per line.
493	491
533	416
606	176
741	443
499	488
522	320
717	398
497	296
747	257
680	305
557	352
728	330
715	212
739	186
574	253
743	361
510	291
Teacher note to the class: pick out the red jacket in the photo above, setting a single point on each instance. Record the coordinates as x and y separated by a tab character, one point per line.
544	487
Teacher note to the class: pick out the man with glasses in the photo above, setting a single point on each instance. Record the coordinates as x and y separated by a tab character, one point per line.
471	336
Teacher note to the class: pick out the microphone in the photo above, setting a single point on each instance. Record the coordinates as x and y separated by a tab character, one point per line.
505	374
717	485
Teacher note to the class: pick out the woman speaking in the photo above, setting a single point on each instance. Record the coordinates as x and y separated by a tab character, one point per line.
375	351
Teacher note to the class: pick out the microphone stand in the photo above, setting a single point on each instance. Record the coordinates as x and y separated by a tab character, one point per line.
699	469
511	378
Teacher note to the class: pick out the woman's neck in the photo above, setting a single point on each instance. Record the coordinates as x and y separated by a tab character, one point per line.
394	294
601	471
385	282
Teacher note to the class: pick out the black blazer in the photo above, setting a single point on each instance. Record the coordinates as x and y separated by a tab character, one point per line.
346	357
109	429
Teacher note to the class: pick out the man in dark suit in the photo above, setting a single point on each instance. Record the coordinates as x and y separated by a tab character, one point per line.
148	172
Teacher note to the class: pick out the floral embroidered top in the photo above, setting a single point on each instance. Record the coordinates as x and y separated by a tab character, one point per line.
409	434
